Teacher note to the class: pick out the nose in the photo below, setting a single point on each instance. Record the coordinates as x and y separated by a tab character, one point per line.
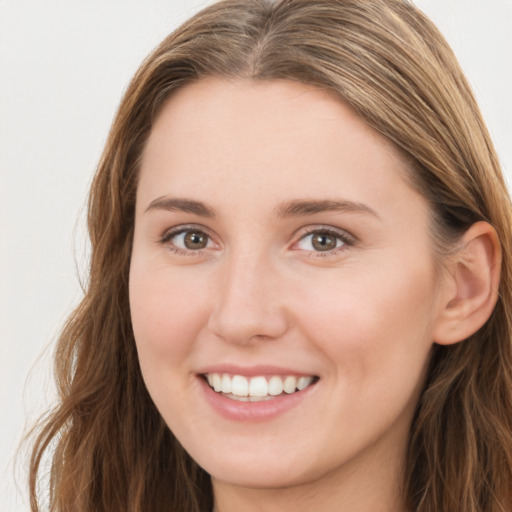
250	302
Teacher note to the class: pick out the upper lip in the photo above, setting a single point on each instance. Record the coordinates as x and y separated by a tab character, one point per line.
253	371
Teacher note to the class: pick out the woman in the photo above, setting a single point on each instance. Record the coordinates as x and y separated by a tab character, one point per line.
300	279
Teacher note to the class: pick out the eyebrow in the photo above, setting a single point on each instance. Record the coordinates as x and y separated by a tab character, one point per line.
298	208
295	208
183	205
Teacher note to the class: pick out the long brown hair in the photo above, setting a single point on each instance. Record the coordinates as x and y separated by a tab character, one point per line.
110	449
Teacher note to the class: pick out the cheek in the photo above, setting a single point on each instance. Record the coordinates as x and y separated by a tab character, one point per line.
375	341
375	325
167	314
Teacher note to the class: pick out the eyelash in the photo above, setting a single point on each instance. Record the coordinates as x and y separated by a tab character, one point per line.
346	239
173	233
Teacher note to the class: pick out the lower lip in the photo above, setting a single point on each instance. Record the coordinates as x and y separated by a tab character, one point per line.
253	411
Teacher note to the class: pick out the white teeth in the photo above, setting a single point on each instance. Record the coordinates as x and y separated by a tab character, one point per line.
290	383
304	382
226	384
217	383
238	386
275	386
258	386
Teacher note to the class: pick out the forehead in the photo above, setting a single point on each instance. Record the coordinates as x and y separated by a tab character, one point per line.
221	107
273	140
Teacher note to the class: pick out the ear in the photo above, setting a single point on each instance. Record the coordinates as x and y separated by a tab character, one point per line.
470	290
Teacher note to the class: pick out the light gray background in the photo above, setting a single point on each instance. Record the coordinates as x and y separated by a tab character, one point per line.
64	65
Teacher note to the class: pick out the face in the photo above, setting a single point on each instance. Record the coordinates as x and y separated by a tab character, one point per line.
283	288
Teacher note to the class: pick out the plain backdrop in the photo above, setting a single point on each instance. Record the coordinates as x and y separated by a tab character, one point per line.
64	65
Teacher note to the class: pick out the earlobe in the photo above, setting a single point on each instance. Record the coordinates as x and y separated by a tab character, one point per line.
470	296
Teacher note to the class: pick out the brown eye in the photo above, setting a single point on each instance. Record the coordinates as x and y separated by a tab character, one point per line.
324	241
188	239
195	240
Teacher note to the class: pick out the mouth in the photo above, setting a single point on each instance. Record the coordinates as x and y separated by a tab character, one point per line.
258	388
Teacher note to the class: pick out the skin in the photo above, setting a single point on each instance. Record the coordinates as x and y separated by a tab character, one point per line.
362	317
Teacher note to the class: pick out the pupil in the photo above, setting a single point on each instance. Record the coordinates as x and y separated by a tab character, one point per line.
324	242
195	240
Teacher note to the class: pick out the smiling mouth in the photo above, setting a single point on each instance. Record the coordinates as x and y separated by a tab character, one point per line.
259	388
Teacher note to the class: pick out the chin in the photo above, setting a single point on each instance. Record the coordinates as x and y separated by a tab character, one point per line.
265	476
262	467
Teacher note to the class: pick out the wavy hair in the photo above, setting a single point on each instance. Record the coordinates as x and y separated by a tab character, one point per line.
109	448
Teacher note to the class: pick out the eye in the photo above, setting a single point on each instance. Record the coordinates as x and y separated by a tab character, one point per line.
187	239
324	240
